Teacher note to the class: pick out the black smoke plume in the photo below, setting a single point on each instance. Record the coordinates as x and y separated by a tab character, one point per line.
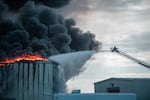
35	26
14	5
40	29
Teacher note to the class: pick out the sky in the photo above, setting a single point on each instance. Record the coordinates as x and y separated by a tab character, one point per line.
124	23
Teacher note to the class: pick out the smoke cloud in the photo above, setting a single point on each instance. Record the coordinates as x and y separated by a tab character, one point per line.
35	26
40	29
16	4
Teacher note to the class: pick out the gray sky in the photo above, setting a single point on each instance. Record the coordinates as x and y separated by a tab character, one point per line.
125	23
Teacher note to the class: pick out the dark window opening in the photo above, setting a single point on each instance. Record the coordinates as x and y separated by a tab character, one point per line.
113	89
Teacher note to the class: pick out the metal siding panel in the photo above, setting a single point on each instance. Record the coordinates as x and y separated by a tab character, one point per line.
48	82
25	81
50	66
30	81
0	77
20	94
10	77
4	86
41	83
15	80
36	90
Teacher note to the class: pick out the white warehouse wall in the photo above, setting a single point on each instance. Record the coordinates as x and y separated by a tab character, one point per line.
27	81
139	86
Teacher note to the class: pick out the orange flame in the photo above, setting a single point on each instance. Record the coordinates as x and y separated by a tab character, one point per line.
24	56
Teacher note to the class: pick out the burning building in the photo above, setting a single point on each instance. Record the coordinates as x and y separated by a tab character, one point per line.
38	80
29	27
27	81
26	77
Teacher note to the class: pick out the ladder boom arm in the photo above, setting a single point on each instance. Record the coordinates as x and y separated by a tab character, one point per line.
130	57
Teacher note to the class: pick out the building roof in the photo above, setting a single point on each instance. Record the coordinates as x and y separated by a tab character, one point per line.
125	79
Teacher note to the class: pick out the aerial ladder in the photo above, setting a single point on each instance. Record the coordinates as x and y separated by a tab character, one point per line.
113	89
116	50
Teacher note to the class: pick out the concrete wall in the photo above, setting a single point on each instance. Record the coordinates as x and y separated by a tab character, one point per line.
139	86
27	81
104	96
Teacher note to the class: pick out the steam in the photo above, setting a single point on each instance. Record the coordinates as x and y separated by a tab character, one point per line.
72	62
70	66
35	26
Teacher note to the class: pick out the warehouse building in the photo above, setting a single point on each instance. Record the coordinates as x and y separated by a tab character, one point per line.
139	86
27	81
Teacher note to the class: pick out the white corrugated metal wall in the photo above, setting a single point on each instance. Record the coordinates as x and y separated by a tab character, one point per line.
27	81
